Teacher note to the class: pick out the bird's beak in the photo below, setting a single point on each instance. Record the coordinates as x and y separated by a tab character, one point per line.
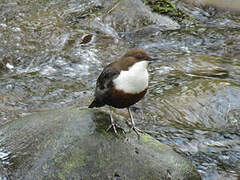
151	60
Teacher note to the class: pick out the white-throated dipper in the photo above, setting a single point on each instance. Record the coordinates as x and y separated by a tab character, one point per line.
123	83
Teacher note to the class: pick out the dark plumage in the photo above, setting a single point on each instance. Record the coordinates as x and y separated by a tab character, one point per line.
106	92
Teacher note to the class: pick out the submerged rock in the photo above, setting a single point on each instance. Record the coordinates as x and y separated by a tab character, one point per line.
72	143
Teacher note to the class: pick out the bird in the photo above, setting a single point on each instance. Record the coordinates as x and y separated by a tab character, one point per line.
123	83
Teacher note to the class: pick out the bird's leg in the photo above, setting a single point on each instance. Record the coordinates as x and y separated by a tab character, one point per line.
113	124
133	123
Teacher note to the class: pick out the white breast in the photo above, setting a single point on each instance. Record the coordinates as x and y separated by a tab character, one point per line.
135	80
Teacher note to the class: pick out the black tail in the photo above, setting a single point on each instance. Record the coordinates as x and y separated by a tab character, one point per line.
95	103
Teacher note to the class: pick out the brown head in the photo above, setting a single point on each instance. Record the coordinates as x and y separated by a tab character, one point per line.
138	54
133	56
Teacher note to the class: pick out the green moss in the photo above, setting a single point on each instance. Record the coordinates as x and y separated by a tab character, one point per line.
101	161
146	138
95	175
166	7
179	164
153	143
61	175
78	159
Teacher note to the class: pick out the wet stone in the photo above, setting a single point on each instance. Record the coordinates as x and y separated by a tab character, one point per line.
71	143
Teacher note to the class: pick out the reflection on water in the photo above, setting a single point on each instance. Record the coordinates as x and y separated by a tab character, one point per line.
193	103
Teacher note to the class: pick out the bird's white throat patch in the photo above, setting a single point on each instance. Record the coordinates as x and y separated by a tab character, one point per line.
133	81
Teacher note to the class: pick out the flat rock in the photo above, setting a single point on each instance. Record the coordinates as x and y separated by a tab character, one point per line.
71	143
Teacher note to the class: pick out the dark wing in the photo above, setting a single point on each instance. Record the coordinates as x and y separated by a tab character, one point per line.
104	81
104	86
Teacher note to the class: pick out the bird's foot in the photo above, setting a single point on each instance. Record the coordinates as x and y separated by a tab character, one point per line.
115	126
137	131
132	125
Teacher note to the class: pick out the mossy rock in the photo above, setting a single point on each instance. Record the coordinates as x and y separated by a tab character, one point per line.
167	7
71	143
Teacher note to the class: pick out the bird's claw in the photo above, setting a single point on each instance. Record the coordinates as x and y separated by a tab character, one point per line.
136	130
115	126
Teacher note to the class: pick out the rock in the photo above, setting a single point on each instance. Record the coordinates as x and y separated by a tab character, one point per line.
114	18
202	104
133	15
233	5
71	143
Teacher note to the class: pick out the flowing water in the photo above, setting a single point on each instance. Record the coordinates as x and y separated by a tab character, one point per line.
51	53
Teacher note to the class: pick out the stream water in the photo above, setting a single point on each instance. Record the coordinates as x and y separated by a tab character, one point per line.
193	104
